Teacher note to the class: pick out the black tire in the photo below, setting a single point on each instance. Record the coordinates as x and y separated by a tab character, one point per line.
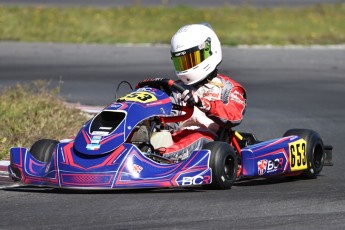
223	162
315	151
43	149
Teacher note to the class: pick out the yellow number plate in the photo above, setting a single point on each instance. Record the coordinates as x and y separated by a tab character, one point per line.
143	97
298	155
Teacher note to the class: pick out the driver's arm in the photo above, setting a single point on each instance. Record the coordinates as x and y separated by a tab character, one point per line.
229	111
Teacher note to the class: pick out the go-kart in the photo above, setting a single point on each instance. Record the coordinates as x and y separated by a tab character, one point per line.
110	152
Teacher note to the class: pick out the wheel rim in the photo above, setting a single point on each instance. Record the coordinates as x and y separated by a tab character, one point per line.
229	166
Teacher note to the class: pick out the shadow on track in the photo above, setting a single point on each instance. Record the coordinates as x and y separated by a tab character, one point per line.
269	181
239	183
34	189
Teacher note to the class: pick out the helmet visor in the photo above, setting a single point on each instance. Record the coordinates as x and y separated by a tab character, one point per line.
191	57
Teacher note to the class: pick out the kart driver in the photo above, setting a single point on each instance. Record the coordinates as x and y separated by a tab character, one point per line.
219	101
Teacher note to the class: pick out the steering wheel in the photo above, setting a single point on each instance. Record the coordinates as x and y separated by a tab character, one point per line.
168	83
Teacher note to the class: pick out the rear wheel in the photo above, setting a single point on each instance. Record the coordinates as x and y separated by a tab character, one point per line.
43	149
224	164
315	151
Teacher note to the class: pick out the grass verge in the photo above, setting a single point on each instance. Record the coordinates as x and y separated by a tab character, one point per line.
320	24
31	112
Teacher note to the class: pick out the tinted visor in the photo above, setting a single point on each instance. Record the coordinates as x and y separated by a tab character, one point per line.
189	58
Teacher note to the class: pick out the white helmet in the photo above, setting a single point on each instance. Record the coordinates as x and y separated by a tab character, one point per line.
196	52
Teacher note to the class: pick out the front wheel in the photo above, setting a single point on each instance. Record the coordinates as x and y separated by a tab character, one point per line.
224	164
315	151
43	149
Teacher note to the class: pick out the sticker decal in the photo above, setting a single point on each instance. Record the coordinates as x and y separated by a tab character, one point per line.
95	143
298	155
105	128
137	168
271	166
93	146
100	133
96	139
196	180
142	97
262	164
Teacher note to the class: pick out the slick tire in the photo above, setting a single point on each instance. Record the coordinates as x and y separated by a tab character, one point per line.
43	149
224	164
315	151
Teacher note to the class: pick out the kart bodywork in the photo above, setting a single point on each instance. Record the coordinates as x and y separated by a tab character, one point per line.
103	155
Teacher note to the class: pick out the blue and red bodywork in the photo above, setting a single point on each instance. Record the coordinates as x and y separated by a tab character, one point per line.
125	167
101	158
270	158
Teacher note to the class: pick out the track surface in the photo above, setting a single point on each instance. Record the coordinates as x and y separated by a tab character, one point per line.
193	3
287	88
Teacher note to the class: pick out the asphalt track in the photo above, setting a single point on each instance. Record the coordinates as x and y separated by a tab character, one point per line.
193	3
287	88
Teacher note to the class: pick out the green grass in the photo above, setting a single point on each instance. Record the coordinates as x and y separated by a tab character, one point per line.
320	24
32	112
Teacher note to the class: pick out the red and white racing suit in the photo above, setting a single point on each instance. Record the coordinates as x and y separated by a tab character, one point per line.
224	103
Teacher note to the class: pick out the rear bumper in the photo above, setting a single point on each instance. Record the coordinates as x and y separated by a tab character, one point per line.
328	149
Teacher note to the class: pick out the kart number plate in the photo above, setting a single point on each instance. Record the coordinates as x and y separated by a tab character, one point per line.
142	97
298	155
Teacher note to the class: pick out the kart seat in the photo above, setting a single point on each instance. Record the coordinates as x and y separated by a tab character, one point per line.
185	142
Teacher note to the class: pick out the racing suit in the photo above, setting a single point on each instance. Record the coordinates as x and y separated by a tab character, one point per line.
224	103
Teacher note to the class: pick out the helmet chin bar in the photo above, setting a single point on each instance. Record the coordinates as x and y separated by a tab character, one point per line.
210	76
